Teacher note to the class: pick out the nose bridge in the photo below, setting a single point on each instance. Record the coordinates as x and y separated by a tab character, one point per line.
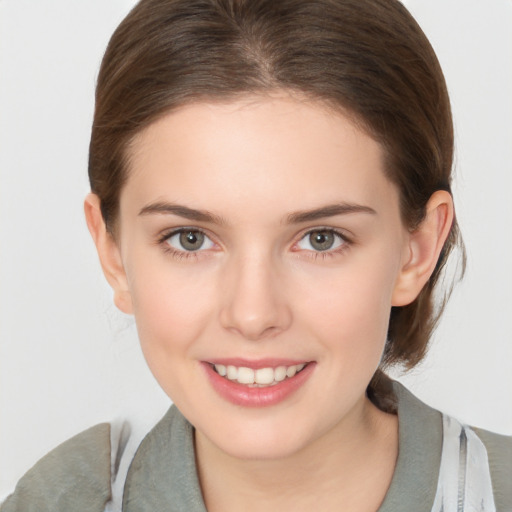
255	302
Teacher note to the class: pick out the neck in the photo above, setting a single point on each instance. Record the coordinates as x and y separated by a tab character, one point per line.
350	466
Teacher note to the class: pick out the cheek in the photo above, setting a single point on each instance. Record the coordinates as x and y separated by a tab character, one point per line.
350	307
171	309
171	313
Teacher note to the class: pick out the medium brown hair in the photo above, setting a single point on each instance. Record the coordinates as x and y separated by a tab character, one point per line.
368	58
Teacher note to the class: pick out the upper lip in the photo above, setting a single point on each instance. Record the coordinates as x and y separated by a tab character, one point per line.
255	364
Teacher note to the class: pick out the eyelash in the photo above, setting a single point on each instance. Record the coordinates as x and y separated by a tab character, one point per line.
327	254
179	255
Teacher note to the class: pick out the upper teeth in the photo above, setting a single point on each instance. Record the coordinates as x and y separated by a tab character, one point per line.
261	376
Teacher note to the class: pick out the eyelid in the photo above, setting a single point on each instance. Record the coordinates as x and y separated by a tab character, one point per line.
347	240
165	235
342	233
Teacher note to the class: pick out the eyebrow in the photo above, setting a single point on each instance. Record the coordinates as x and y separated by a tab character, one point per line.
164	208
330	210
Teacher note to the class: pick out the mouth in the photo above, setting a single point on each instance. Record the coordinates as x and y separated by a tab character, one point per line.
260	377
257	383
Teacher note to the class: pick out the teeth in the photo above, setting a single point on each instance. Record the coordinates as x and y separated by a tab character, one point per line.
221	369
280	373
264	376
291	371
232	372
245	375
260	377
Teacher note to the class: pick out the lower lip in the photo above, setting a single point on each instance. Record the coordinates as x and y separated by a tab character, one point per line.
240	394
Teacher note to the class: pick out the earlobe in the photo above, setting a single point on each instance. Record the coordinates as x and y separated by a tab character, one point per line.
108	253
424	246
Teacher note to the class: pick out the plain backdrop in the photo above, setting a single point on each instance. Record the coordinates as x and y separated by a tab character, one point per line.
69	359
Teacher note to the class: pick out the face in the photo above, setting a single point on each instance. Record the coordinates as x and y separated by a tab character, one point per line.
262	245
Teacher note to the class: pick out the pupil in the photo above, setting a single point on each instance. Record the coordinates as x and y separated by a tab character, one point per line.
321	240
191	240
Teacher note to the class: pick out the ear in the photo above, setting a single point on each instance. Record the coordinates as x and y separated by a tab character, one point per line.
424	245
109	254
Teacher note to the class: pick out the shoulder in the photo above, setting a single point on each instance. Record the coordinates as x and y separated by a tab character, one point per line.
163	470
499	453
499	447
73	476
468	463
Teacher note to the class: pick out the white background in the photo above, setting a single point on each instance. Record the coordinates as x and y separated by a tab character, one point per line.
69	360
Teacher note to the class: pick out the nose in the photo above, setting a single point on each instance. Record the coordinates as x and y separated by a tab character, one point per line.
254	305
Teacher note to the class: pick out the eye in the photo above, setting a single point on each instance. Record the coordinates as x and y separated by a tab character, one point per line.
189	240
321	240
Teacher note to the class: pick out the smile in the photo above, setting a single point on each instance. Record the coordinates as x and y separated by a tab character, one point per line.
261	377
257	384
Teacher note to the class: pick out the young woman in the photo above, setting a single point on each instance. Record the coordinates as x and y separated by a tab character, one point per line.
271	200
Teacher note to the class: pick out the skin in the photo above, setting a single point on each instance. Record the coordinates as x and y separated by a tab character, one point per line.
258	289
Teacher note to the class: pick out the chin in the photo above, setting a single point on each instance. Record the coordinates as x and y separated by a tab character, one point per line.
260	440
261	449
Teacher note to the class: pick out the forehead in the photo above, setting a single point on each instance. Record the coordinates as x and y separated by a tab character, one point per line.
273	149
